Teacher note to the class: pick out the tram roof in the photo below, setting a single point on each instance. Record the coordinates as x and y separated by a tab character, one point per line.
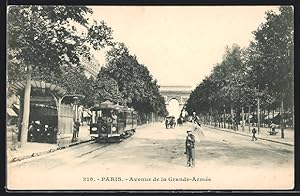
104	105
110	105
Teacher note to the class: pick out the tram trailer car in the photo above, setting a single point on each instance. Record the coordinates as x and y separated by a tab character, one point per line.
112	123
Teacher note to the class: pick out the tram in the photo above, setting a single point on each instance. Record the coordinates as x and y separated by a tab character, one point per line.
111	122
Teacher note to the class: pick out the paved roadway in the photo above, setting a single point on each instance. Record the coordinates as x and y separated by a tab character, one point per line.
153	159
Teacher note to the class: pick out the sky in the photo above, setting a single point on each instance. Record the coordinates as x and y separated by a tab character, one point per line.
180	44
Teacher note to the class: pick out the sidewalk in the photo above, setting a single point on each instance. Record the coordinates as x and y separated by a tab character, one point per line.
263	134
32	149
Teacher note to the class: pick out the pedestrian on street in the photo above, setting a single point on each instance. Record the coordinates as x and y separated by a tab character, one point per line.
55	135
196	119
236	126
47	134
190	149
15	134
31	133
77	123
272	127
74	130
253	134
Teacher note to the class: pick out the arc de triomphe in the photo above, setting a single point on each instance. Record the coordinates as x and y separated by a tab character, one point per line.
172	94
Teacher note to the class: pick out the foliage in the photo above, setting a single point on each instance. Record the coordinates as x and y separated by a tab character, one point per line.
125	80
263	70
105	88
274	47
46	39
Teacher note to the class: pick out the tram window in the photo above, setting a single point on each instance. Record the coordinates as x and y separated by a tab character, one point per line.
93	116
120	116
129	117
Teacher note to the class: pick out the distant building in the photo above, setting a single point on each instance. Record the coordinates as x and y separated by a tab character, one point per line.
92	66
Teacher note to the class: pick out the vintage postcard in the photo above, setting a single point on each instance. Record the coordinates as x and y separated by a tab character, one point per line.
173	98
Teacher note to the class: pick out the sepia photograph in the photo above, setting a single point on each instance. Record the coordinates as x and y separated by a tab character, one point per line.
141	98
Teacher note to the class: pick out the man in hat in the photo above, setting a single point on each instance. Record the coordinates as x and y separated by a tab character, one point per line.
253	134
74	130
77	125
196	119
190	148
114	118
15	133
272	126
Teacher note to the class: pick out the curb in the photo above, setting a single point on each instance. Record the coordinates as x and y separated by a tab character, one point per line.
35	154
220	129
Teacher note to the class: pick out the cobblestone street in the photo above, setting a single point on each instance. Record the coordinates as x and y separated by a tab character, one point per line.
223	161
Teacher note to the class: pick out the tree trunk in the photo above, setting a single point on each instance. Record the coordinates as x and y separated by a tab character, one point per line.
281	118
231	117
243	124
224	125
26	108
58	107
268	117
215	119
249	118
219	120
263	118
20	115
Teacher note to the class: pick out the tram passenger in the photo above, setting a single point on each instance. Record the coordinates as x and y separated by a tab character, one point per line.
114	119
102	123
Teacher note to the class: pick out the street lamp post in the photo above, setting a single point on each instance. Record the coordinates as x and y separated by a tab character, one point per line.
75	129
76	101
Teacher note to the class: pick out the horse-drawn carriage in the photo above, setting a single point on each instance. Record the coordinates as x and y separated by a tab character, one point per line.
170	122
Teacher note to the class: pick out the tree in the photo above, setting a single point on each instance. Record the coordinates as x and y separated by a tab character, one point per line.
274	46
223	87
89	93
263	72
44	39
135	85
106	88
